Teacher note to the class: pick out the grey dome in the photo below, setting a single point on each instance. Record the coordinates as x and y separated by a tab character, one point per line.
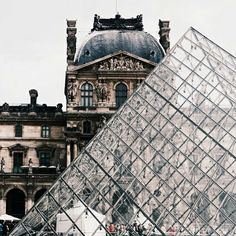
103	43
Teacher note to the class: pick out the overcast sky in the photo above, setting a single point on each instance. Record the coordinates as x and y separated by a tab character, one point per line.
33	36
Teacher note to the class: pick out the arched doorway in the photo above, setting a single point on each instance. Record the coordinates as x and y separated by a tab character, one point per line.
15	203
39	194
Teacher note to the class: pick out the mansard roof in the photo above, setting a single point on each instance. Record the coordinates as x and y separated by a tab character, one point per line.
111	35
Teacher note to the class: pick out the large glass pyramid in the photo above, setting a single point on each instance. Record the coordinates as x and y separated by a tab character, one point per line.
165	162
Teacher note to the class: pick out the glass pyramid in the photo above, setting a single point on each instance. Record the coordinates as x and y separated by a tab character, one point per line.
165	162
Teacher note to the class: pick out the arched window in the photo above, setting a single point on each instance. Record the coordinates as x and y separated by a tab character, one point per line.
45	131
39	194
87	127
121	94
86	95
18	130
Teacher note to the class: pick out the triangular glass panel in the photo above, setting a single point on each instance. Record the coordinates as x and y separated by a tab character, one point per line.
165	162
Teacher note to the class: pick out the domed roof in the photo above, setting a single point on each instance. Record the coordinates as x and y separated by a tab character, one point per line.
105	42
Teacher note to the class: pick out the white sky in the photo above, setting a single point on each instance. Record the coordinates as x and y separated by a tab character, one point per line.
33	36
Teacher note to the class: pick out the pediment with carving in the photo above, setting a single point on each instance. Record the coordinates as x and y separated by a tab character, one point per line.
121	61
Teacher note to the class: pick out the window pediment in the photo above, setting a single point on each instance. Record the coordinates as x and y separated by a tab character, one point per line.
45	149
18	148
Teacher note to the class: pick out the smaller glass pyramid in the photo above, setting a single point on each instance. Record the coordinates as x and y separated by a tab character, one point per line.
165	162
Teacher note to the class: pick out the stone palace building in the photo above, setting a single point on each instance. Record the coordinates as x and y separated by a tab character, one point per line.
37	142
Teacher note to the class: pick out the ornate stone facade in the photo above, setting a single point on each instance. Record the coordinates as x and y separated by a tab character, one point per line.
37	142
121	62
32	147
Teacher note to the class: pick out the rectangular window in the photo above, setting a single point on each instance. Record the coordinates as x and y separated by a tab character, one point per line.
87	127
17	162
45	132
18	130
44	158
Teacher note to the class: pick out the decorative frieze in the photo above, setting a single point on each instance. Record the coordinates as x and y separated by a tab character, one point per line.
121	63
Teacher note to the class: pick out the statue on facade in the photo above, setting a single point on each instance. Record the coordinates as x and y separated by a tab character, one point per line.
59	107
2	164
121	63
138	66
5	107
71	91
71	40
96	24
117	23
30	163
139	23
58	168
101	91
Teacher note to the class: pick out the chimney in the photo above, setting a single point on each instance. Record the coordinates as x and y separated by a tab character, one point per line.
164	34
33	97
71	41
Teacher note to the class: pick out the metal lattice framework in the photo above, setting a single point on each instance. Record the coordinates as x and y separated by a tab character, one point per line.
165	160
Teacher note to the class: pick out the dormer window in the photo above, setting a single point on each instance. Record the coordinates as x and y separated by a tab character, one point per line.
45	131
18	130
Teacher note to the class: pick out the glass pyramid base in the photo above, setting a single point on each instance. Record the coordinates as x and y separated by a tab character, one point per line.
165	162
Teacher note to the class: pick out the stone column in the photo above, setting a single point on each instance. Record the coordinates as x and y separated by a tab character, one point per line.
75	150
29	203
68	153
2	206
2	201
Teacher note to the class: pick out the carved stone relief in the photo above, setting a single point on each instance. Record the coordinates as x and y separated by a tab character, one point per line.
101	91
72	88
121	62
